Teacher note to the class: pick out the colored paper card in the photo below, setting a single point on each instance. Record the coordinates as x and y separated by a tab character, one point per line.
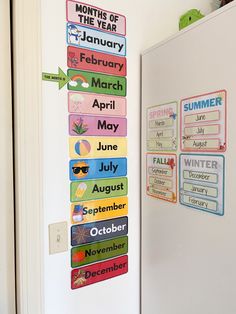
91	274
97	168
98	189
89	60
90	147
98	231
109	208
88	15
162	127
92	39
96	83
97	126
202	182
105	105
203	123
99	251
162	176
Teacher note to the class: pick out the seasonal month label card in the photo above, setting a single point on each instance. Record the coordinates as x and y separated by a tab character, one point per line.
203	123
162	127
202	182
162	176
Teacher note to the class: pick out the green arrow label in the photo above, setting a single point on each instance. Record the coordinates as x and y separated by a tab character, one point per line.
61	78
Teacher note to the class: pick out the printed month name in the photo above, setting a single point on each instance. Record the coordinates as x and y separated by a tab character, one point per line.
107	126
102	42
108	249
107	230
110	167
102	105
93	60
104	271
98	83
106	146
108	188
94	211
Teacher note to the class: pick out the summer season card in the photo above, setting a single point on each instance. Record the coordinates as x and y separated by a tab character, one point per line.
162	176
202	182
162	127
204	123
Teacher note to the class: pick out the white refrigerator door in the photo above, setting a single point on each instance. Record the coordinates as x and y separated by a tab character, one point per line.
7	274
188	255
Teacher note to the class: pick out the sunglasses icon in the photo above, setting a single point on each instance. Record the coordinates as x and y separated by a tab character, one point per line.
76	170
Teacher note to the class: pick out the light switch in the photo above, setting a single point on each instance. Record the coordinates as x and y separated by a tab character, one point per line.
58	238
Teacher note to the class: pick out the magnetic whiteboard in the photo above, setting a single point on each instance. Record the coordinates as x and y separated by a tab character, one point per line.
188	255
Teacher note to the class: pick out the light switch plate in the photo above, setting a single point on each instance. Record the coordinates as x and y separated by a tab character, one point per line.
58	238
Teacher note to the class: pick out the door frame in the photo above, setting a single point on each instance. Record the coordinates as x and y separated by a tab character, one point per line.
7	260
26	15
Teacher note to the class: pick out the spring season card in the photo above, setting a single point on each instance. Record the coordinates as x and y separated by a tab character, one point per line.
90	147
83	212
98	231
97	168
93	39
89	60
94	17
162	176
105	105
91	274
203	123
162	127
96	83
97	126
98	251
202	182
98	189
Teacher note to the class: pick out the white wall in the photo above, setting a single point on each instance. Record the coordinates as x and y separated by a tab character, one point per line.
7	274
147	23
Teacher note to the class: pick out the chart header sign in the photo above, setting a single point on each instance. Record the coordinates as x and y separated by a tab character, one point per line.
88	15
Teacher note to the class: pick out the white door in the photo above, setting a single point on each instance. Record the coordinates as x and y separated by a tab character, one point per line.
188	240
7	273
